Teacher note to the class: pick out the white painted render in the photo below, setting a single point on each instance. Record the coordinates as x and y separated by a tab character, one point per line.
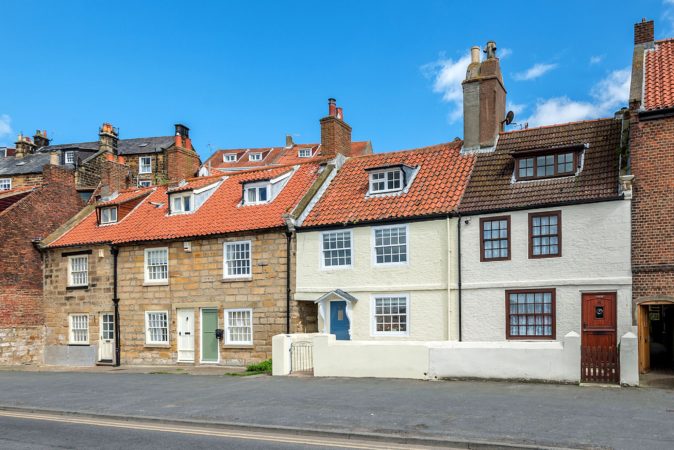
595	258
428	278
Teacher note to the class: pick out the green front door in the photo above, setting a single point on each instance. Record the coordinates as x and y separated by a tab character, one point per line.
209	343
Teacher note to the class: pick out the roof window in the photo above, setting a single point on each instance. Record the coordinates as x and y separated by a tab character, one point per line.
304	153
255	157
229	157
547	165
390	179
108	215
264	191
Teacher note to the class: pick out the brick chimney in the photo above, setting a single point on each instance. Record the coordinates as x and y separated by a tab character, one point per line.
335	133
289	141
40	138
108	136
24	146
644	37
183	136
484	100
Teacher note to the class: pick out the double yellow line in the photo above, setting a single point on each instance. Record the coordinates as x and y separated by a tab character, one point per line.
279	437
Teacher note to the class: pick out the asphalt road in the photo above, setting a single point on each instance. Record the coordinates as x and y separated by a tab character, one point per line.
53	432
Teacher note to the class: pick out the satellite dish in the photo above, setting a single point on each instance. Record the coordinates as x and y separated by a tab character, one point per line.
509	117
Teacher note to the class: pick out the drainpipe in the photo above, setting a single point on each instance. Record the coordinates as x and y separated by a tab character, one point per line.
458	247
115	300
289	237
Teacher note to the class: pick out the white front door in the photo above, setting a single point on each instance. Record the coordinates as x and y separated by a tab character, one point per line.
186	335
106	342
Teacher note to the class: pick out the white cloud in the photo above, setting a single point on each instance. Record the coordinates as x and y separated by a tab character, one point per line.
596	59
503	53
447	75
517	108
535	71
5	127
607	96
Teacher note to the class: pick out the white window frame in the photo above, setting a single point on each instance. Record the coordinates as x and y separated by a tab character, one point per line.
141	166
71	329
225	262
228	325
69	157
71	282
147	269
109	219
374	246
148	335
3	152
257	187
255	157
229	157
144	183
373	315
386	180
304	153
182	197
322	250
5	184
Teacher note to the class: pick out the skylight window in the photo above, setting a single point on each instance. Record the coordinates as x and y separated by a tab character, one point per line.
229	157
182	203
108	215
304	153
382	181
255	157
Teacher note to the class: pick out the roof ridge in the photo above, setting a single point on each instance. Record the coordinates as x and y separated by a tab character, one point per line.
558	125
429	148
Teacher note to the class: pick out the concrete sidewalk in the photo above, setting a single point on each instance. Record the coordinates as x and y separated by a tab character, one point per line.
552	415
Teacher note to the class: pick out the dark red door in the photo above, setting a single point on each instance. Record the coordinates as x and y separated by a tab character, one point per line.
599	351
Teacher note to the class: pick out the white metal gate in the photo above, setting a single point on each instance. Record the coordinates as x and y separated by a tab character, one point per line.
302	357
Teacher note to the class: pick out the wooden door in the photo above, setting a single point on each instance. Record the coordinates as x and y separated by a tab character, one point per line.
106	343
600	361
186	335
644	339
209	341
339	322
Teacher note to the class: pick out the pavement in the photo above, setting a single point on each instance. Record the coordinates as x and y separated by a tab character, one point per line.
454	412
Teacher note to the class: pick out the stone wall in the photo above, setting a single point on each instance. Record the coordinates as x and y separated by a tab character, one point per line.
21	345
30	179
181	163
195	282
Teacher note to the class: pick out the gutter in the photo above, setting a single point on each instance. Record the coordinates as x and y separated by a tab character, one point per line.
115	300
656	114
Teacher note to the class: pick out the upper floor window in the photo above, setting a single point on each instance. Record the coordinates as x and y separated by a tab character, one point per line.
145	164
144	183
109	214
255	157
78	270
390	245
229	157
237	262
182	203
5	184
386	181
545	234
256	193
546	166
70	158
495	238
336	249
304	153
156	265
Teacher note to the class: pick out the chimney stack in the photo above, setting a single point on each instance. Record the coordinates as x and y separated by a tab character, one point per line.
40	138
335	133
108	136
183	136
484	99
644	37
54	158
289	141
24	146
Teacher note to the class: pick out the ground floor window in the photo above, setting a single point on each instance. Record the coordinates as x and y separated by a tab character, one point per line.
79	329
390	315
530	314
156	327
239	326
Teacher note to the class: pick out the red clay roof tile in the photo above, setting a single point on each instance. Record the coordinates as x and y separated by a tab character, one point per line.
659	76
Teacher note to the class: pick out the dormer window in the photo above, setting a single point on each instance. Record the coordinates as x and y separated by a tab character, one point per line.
383	181
182	203
229	157
70	158
255	157
108	215
256	193
304	153
533	167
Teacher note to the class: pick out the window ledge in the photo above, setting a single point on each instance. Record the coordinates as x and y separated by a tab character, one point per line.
156	283
241	346
79	345
232	280
146	345
74	288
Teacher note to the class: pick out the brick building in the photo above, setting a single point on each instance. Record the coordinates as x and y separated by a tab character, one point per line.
26	214
652	169
200	271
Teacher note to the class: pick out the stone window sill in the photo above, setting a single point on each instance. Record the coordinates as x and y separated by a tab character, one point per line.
75	288
234	280
157	345
235	346
79	345
159	283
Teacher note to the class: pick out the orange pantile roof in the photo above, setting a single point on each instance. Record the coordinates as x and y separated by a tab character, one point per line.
435	190
126	195
221	213
659	76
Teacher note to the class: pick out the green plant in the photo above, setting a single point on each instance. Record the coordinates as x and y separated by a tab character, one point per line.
264	367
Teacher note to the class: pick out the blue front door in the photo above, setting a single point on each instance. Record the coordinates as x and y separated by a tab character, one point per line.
339	323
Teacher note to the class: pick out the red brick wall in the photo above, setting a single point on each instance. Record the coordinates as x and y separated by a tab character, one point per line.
652	162
335	136
181	164
34	217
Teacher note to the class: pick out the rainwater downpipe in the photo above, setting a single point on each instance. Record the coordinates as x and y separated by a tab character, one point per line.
115	301
458	250
289	237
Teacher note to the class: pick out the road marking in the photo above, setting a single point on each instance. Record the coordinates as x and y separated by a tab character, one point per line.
183	429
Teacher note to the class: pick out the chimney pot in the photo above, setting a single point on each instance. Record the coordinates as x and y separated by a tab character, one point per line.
340	113
475	54
108	137
332	107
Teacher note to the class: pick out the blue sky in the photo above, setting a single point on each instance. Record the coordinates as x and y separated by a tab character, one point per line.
243	74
